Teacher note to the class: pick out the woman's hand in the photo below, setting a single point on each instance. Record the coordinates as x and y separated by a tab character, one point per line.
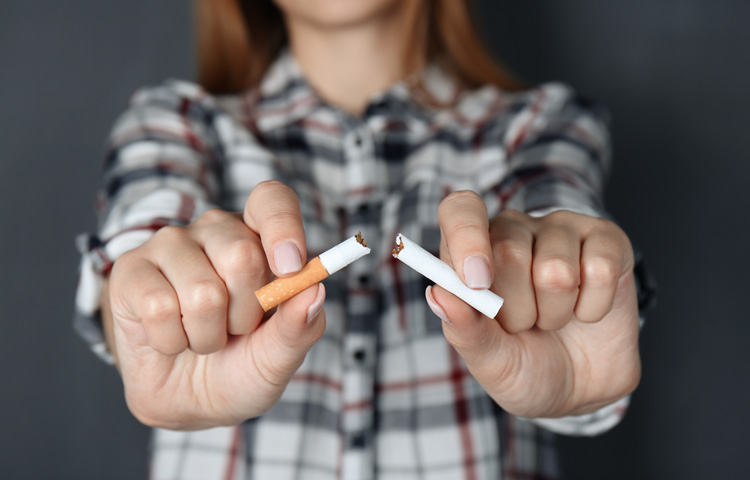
191	343
566	340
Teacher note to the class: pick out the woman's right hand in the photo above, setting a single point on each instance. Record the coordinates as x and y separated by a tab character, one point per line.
190	338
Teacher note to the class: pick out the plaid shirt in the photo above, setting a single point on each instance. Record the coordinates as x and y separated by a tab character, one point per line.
382	394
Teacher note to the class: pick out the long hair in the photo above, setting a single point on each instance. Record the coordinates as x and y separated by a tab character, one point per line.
237	40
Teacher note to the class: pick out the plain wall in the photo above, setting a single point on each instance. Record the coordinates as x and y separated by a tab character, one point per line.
673	75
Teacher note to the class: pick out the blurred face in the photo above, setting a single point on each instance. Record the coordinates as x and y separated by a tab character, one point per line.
337	13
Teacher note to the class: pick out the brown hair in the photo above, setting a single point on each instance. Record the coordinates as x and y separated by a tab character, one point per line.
237	40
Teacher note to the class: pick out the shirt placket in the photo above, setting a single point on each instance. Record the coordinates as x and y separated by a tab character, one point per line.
359	342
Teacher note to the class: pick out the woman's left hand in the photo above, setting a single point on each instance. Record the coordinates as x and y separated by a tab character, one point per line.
566	340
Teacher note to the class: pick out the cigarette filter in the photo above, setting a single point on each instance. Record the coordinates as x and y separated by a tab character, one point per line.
317	269
442	274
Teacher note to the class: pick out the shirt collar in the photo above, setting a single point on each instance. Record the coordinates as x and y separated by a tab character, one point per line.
284	96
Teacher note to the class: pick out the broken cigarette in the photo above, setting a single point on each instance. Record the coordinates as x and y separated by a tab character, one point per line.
442	274
317	269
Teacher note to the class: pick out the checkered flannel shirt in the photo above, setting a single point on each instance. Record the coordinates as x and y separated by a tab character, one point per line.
382	394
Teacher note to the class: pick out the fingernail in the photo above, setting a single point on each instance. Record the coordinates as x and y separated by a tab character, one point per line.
314	310
286	257
477	273
436	309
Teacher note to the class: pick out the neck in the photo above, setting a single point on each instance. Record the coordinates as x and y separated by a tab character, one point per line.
349	64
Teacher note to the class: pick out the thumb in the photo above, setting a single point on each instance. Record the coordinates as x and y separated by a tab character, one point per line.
284	340
475	337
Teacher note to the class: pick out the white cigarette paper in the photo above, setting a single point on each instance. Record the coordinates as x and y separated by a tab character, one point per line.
314	271
425	263
346	252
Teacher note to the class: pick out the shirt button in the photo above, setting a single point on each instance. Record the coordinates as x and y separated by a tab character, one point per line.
357	140
358	440
363	209
359	355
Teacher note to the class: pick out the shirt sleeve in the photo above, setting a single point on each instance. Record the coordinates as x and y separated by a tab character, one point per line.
559	157
161	168
558	153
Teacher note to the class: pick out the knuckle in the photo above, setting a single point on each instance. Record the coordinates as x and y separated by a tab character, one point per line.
519	323
588	313
208	345
556	275
159	307
171	234
609	230
207	296
600	271
242	326
604	224
561	216
213	215
241	257
551	324
512	252
513	217
169	346
126	261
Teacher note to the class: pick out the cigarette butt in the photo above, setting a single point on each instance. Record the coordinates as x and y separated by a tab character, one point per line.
283	289
425	263
314	271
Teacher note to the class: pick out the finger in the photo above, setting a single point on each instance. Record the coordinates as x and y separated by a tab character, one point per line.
467	330
283	341
602	262
272	211
556	276
202	294
465	228
238	257
137	286
512	247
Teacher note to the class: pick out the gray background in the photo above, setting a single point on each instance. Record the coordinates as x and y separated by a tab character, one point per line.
673	74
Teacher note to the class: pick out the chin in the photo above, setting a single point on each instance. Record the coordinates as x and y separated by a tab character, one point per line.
337	13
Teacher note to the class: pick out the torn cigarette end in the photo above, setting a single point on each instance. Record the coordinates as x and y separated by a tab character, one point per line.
442	274
360	240
314	271
399	246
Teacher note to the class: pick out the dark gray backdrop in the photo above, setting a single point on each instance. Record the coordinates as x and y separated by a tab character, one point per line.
674	75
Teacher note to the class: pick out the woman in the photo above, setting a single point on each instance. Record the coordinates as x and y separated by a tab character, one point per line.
318	119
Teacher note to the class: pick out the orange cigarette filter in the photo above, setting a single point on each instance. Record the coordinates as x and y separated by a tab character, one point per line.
283	289
314	271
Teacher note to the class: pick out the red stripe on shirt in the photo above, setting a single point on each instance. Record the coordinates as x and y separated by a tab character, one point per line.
461	408
233	453
319	379
535	109
187	208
